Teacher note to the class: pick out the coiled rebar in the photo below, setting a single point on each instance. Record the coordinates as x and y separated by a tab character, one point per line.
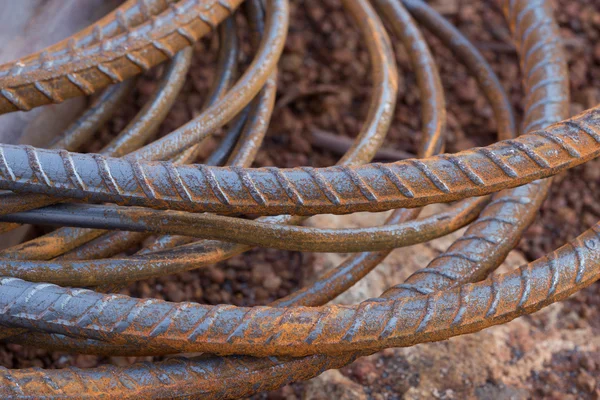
157	189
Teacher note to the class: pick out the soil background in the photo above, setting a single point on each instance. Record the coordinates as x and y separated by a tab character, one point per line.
324	86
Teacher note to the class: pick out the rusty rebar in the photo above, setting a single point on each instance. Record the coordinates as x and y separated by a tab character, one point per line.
453	295
305	190
70	70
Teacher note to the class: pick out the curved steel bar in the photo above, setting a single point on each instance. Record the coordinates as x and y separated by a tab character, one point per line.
236	99
77	72
488	240
305	191
296	238
127	16
258	331
471	58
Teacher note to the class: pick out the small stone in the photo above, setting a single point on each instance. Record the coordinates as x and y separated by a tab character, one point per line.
173	292
291	62
588	363
445	7
586	382
261	271
333	385
364	371
467	90
261	294
272	282
217	275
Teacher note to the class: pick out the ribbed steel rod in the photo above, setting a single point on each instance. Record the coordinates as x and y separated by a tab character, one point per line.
304	191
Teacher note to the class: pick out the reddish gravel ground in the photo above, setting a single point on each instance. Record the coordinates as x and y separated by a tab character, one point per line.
324	84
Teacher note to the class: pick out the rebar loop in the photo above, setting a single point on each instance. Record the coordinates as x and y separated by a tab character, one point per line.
200	211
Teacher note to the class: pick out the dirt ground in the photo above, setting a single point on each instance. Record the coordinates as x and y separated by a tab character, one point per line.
324	85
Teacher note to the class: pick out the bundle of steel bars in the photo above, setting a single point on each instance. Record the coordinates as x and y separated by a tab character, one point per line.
57	290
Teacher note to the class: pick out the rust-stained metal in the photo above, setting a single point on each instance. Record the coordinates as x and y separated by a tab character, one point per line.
74	69
455	294
305	190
